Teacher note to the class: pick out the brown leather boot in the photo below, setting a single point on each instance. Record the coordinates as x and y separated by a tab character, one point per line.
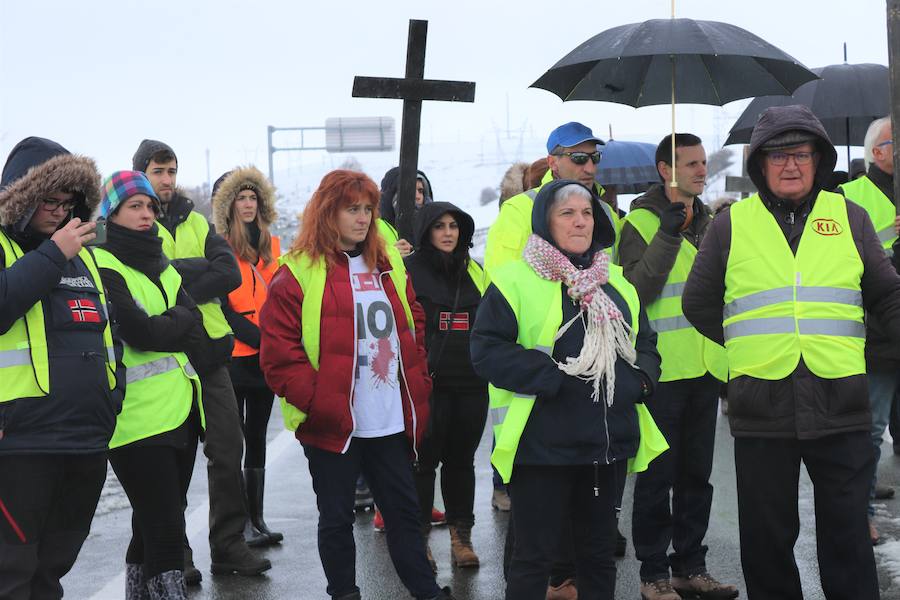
705	586
461	552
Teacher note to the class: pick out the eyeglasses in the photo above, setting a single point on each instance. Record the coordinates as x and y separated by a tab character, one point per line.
580	158
51	204
779	159
884	143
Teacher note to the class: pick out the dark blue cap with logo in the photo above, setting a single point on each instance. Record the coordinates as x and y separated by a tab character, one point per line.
571	134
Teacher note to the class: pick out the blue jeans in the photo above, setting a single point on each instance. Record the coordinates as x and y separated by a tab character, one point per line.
882	387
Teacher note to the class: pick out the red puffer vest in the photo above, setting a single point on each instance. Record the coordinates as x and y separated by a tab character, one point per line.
324	395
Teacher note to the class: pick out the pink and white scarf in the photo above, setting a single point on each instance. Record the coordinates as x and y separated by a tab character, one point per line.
606	333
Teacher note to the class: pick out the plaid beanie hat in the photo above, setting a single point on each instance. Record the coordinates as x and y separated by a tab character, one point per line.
122	185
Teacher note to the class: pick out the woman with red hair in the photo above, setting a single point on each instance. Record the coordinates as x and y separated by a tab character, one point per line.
342	343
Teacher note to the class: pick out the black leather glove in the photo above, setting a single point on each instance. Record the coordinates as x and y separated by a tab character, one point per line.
672	218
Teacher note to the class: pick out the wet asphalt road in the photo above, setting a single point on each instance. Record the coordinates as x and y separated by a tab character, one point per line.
297	574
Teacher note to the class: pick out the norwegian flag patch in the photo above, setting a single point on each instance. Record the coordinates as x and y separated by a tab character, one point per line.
84	311
453	321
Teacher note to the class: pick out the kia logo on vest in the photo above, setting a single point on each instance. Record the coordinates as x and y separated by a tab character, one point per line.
827	227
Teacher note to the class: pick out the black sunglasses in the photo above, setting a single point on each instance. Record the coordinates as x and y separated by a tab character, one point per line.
580	158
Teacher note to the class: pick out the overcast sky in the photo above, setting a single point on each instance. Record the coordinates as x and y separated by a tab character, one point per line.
99	76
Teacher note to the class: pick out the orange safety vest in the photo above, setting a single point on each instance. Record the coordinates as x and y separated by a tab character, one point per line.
247	300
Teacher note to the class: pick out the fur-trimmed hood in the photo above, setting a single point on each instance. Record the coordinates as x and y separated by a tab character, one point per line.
230	184
38	167
513	182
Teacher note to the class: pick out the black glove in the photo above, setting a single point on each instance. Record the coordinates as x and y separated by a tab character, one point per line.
672	218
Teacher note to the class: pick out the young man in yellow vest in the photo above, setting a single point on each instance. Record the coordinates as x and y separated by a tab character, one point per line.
673	497
874	191
209	271
782	278
59	389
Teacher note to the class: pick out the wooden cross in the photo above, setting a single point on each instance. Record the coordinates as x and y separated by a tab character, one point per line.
412	89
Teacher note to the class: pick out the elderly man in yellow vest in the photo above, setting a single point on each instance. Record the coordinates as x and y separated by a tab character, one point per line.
874	191
673	497
209	271
782	278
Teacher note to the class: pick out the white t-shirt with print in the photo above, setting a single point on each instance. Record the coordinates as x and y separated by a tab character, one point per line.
377	403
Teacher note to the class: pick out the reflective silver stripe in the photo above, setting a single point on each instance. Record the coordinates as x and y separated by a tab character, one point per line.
829	294
889	252
670	290
759	327
189	369
670	324
111	355
758	300
785	294
151	369
15	358
839	327
545	349
498	414
532	193
887	234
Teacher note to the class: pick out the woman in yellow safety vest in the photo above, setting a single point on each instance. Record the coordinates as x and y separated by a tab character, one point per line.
153	448
343	344
562	338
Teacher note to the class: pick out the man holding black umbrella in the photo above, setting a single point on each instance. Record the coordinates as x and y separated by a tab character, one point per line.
874	191
782	279
673	497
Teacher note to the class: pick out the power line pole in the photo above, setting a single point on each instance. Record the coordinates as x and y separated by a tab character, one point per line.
893	31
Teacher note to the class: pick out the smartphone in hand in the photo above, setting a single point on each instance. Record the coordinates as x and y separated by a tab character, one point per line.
100	232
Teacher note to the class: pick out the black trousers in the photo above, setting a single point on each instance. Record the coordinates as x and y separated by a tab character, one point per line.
48	503
547	500
768	470
673	497
224	447
386	466
457	422
255	408
156	480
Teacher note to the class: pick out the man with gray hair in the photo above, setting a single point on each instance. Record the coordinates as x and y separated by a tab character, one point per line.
874	191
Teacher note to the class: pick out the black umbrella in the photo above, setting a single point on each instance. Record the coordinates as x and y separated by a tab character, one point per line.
846	98
708	63
674	60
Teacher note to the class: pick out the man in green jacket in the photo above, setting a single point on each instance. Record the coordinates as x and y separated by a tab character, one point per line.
209	271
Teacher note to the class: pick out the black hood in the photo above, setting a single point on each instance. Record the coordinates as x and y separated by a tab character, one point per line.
389	187
604	232
780	119
431	212
37	167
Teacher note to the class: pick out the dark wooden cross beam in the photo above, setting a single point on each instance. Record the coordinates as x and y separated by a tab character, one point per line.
412	89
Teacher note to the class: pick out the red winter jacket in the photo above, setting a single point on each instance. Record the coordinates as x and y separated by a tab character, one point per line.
324	395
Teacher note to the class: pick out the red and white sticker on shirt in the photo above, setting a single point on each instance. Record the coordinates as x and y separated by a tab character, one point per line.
453	321
84	311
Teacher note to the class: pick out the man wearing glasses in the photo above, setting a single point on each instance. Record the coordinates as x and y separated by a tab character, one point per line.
783	278
673	497
874	191
573	153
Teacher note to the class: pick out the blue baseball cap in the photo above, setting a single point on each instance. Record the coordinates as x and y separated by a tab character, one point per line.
571	134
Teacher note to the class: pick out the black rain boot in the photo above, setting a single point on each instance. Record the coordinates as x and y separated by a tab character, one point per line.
255	482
